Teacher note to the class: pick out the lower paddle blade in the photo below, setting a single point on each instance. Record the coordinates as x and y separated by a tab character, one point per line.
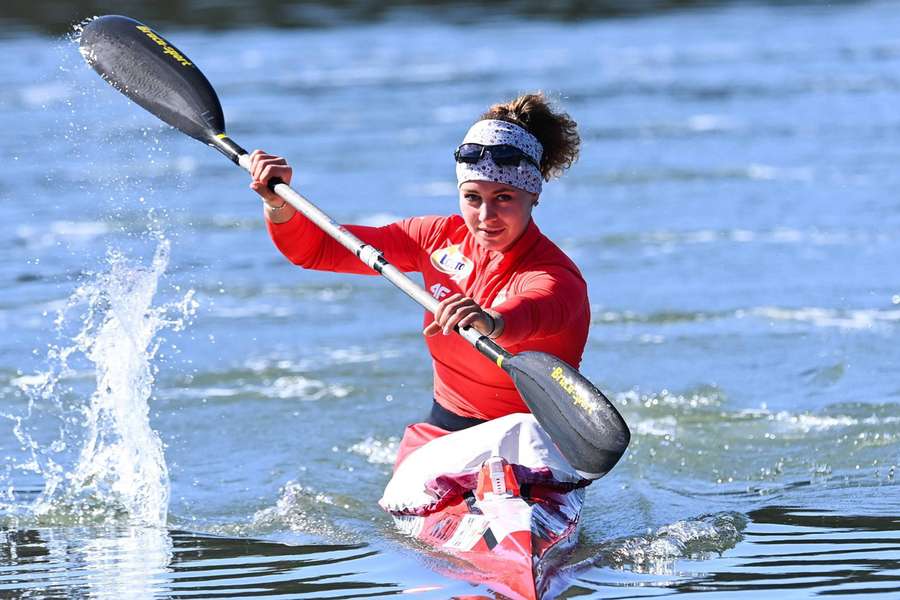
141	64
583	423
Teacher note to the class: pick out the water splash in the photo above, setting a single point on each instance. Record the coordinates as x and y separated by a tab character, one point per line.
657	551
107	463
303	510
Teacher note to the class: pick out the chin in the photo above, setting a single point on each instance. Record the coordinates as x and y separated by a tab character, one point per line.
492	244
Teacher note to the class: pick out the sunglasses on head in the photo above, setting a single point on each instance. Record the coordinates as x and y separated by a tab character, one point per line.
503	155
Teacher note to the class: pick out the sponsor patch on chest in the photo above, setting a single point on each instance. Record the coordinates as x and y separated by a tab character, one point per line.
453	262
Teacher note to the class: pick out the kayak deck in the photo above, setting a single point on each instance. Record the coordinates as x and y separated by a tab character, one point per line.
512	544
498	501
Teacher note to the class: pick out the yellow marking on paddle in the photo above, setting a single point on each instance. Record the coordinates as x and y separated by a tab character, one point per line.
568	386
221	136
166	48
500	361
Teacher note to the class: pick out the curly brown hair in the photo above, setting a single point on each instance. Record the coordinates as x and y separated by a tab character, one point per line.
555	130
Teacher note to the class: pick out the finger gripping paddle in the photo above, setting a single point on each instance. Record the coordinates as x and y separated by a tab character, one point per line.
156	75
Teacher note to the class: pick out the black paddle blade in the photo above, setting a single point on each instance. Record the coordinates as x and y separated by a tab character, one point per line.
583	423
138	62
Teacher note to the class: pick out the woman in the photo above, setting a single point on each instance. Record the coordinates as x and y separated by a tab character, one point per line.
489	266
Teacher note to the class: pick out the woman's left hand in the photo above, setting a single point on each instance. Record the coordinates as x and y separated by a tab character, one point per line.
460	311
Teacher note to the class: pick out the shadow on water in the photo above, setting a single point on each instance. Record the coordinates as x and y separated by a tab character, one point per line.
809	551
819	549
57	563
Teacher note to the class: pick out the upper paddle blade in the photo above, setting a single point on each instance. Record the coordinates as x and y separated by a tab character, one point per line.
583	423
145	67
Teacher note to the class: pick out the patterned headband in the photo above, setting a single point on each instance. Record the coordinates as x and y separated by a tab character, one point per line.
493	132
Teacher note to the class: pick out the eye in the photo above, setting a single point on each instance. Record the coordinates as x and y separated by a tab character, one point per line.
472	198
504	197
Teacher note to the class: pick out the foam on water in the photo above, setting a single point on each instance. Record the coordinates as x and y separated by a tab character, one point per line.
775	236
298	386
376	451
707	397
758	452
301	509
82	233
107	464
657	558
825	317
659	427
657	551
817	317
357	354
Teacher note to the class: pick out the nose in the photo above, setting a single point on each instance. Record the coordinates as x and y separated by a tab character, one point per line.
487	211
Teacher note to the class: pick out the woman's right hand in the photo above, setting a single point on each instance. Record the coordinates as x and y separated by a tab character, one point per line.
263	168
461	311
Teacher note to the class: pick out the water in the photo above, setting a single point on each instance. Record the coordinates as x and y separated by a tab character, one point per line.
188	415
120	467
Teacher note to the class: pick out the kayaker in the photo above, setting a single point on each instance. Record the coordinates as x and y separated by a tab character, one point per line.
489	266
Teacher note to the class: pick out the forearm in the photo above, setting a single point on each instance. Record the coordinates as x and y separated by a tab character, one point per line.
278	212
308	246
547	307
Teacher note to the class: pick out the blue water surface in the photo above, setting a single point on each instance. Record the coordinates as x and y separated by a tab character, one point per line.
734	211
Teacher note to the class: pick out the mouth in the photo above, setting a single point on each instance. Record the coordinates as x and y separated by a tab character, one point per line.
490	232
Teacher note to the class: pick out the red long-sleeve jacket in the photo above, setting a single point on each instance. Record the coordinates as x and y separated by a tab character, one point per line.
534	286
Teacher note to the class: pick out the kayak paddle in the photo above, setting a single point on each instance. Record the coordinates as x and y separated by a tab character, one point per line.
141	64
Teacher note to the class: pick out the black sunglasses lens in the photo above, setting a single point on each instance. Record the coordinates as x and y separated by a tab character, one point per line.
469	153
506	155
502	154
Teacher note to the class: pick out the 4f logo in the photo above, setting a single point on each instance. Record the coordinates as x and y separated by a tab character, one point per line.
439	291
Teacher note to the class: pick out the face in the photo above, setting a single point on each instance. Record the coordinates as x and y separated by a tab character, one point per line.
495	213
